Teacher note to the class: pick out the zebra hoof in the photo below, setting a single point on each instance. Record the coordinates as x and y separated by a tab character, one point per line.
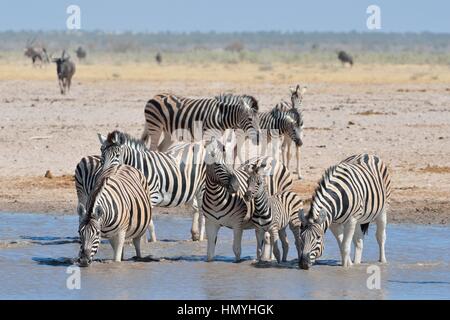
195	237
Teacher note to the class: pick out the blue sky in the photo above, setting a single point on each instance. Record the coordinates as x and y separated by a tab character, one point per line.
227	15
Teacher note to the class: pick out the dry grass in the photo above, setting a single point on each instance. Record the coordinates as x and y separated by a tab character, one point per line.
238	72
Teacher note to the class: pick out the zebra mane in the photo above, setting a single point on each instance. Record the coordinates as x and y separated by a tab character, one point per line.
229	98
121	138
322	183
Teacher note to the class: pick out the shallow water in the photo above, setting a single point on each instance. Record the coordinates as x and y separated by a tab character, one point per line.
37	249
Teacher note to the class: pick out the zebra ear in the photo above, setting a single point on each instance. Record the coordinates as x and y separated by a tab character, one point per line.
322	216
101	138
98	212
301	216
81	210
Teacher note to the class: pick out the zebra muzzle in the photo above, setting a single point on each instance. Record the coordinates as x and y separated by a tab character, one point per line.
305	262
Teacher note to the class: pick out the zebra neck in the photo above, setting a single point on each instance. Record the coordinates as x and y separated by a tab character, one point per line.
261	202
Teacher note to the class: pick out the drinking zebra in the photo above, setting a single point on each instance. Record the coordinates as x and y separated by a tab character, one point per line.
294	109
350	195
273	213
118	209
175	177
223	203
86	173
166	113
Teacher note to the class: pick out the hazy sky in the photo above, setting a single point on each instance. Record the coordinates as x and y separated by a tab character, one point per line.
227	15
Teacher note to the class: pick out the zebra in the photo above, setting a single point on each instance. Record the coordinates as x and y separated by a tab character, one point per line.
280	124
118	209
349	196
167	113
294	110
273	213
223	203
87	171
175	177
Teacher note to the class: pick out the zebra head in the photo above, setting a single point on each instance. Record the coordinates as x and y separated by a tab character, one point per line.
112	149
255	181
297	95
292	124
248	119
89	231
311	242
216	168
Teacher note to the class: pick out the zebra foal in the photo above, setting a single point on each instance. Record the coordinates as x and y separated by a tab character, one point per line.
294	110
118	209
349	196
223	203
273	213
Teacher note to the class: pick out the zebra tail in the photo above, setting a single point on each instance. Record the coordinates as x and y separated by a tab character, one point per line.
365	228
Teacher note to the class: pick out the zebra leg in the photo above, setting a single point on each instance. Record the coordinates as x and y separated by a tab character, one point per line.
267	253
284	243
117	244
137	246
381	234
237	240
285	150
297	155
274	244
338	232
195	233
349	231
151	231
166	143
259	243
211	232
358	242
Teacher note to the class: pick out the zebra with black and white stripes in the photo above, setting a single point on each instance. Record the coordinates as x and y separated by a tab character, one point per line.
294	110
86	173
118	209
278	126
175	177
223	202
273	213
350	195
166	113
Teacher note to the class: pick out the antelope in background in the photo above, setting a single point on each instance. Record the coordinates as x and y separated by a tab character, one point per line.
36	53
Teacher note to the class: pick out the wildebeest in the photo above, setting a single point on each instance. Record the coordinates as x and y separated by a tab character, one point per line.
344	57
36	53
81	53
65	70
158	58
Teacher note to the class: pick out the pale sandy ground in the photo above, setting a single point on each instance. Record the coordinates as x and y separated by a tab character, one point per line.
408	125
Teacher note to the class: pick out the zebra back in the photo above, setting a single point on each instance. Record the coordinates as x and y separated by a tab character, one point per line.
358	186
174	177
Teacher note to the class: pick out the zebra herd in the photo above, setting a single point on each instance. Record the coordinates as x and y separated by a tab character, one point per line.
118	189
